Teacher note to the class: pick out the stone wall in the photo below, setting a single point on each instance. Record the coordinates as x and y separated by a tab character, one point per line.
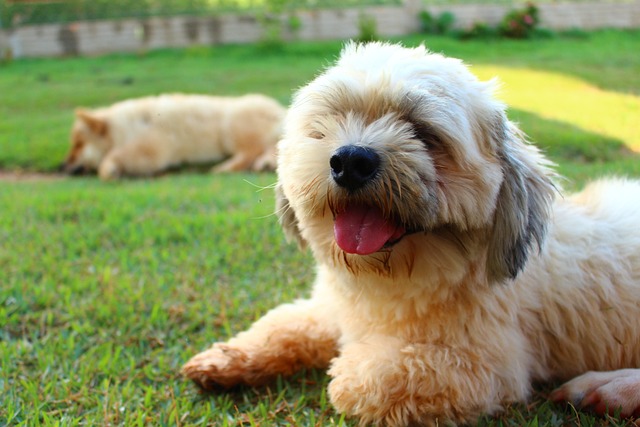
131	35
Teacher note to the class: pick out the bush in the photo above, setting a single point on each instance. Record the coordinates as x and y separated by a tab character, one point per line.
520	23
271	38
426	21
295	23
277	18
479	30
440	25
368	28
516	24
445	22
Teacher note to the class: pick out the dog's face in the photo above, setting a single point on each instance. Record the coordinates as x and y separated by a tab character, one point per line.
90	143
396	160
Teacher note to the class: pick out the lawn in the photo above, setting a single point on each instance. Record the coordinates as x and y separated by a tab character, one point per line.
108	288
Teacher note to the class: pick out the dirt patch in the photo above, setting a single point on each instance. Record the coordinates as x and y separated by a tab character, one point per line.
24	176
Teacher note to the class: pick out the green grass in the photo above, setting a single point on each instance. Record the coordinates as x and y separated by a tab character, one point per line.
108	288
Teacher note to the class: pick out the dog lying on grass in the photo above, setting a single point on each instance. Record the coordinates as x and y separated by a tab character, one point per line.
450	275
141	137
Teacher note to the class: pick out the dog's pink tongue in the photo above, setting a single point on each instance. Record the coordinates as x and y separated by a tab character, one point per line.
363	230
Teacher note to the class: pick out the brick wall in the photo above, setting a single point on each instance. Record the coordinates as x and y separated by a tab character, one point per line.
130	35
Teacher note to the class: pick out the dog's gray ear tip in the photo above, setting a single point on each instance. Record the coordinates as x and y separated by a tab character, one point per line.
502	272
287	219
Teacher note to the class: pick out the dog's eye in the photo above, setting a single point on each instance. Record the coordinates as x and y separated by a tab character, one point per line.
426	135
429	144
316	134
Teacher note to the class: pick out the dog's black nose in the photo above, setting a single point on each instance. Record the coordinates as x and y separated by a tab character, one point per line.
353	166
73	169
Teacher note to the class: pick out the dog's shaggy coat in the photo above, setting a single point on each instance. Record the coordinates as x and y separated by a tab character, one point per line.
450	273
144	136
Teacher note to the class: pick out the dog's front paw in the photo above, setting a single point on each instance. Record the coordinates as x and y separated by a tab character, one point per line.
354	396
604	392
374	390
387	382
221	366
109	170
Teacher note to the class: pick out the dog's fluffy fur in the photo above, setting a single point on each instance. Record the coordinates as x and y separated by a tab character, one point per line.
141	137
489	283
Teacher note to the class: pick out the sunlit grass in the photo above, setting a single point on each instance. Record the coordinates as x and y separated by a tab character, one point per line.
571	100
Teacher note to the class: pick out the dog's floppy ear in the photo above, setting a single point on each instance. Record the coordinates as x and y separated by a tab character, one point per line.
97	125
287	218
523	203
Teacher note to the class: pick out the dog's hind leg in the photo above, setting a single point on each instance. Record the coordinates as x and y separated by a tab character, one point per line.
287	339
237	162
604	392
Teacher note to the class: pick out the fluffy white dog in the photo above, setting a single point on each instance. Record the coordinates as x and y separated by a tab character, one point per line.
450	276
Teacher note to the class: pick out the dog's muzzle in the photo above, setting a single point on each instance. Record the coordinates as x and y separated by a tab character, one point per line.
352	166
359	228
71	169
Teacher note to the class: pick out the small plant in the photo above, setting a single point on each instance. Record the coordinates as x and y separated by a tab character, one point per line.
271	32
6	56
520	23
426	21
440	25
274	24
479	30
368	28
445	22
295	23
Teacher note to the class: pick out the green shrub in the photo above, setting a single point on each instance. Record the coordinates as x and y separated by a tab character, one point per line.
426	21
445	22
6	56
440	25
277	18
479	30
294	22
368	28
271	38
520	23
